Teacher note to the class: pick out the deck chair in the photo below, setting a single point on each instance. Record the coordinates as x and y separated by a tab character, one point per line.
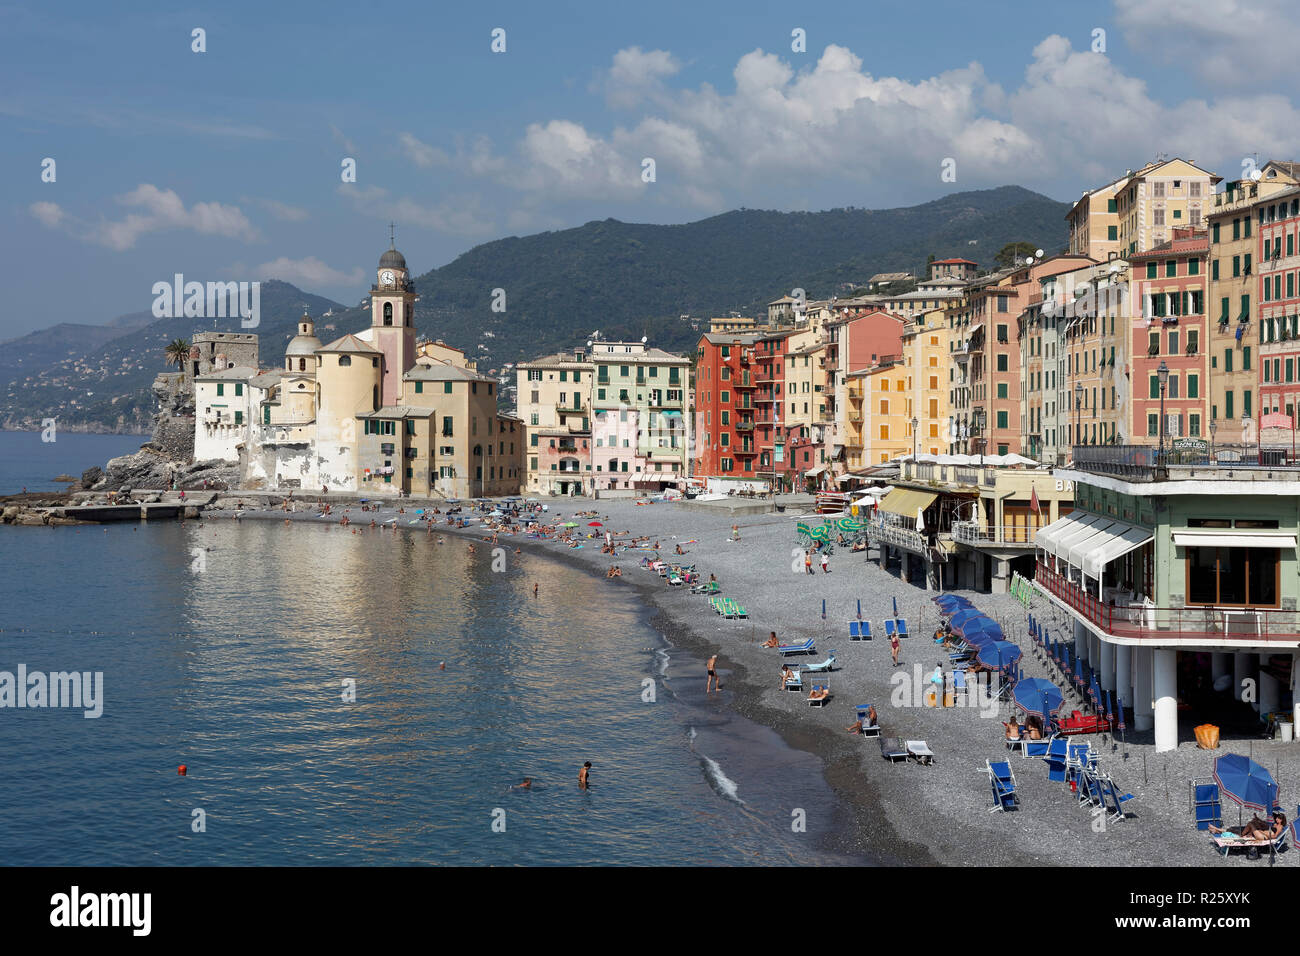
867	731
738	610
1078	757
892	749
1002	781
795	682
1114	801
825	667
1206	808
820	701
891	627
807	647
1090	787
1036	748
920	751
1055	758
859	630
1226	843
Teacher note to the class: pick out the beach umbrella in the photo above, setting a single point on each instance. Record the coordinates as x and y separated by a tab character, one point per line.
823	609
1078	671
999	654
594	524
1119	713
987	626
1094	691
895	607
1245	782
976	638
948	603
1037	696
958	619
1110	706
859	609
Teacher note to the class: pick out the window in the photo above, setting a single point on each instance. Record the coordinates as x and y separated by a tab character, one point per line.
1236	266
1214	269
1194	424
1227	360
221	390
1193	386
447	427
1233	576
1152	270
1002	419
1002	362
1245	360
446	388
1112	232
1002	303
1171	269
1154	387
1002	389
1153	423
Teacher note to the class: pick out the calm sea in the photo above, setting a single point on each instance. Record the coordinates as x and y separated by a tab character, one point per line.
225	646
28	462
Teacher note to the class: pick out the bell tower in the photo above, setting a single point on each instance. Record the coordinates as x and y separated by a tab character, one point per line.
392	320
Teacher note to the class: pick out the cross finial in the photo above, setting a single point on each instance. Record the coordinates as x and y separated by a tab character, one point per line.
391	236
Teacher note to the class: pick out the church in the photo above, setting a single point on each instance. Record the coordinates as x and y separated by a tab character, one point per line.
377	412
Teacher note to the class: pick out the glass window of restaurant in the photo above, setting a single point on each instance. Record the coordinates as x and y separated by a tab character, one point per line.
1245	577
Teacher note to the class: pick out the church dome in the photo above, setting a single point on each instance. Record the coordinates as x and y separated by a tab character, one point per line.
305	342
392	259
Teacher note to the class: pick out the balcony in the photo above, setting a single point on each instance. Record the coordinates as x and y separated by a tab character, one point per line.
744	426
1165	625
745	452
571	408
1011	536
744	382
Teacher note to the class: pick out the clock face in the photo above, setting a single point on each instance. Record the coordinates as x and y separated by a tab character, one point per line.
386	277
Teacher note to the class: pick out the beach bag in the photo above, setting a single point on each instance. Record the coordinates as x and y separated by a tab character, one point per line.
1207	737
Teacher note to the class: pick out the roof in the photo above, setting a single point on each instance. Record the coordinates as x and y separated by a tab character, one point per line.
781	301
443	372
891	277
240	373
731	338
350	343
302	345
1189	245
953	262
557	358
266	379
392	259
399	411
650	356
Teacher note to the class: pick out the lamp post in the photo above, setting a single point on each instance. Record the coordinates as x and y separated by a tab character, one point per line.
1214	427
914	424
980	418
1162	373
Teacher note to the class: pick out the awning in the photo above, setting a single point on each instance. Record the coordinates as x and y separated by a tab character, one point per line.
1050	537
813	472
1232	539
906	502
1073	547
1120	540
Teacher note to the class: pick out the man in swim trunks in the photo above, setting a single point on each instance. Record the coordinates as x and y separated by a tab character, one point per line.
712	679
583	782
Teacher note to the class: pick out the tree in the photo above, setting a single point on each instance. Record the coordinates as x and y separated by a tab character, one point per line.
1008	254
178	350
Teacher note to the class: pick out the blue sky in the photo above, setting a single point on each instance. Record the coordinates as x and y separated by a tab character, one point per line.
225	165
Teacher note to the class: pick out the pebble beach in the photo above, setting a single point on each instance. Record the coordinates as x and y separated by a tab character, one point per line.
897	813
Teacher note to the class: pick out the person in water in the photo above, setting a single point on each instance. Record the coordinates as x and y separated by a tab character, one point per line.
584	781
711	680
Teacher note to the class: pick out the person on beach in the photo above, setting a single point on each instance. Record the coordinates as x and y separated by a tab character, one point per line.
772	641
894	647
1035	728
584	782
1013	729
826	563
1256	829
807	562
786	674
711	680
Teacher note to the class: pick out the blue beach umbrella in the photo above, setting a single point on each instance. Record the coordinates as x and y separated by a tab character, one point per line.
859	609
1245	782
823	609
895	607
999	654
1038	697
989	627
1119	713
962	618
1094	691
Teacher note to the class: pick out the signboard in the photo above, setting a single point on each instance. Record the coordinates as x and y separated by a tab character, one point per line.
1276	420
1190	444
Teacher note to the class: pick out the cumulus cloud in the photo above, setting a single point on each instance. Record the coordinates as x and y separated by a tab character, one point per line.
308	272
153	210
462	216
281	211
636	75
422	154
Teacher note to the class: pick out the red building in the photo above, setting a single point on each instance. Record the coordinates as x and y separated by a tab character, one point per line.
726	385
1170	289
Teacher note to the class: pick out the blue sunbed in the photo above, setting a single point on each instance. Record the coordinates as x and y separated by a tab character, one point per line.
1002	781
859	630
807	647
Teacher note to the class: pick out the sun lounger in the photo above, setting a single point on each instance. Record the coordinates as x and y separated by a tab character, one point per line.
892	749
896	626
1114	801
1206	807
825	666
1035	748
819	701
1055	758
920	751
794	682
1089	789
867	731
1002	782
1227	842
807	647
712	587
859	630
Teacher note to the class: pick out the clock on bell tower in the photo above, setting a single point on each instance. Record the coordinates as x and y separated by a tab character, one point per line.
392	320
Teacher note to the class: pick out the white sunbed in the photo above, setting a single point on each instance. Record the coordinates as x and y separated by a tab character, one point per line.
920	751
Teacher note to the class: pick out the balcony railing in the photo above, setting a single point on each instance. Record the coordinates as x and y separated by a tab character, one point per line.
968	532
1145	463
1164	624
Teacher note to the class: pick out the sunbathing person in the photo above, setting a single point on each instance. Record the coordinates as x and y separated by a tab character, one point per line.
1035	727
819	693
772	641
1256	829
786	673
1013	729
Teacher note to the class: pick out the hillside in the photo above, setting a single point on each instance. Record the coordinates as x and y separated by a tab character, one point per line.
625	279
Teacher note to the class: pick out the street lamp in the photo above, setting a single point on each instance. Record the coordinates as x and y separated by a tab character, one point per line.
914	424
980	418
1214	427
1162	373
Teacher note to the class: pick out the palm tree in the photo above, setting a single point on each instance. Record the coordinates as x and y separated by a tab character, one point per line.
178	350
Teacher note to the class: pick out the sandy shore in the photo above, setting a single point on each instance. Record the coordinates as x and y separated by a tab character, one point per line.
899	813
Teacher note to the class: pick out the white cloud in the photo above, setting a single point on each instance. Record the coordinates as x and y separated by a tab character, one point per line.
422	154
281	211
47	213
636	75
462	216
308	272
155	210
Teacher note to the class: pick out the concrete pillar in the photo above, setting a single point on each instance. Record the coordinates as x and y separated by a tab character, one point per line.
1124	673
1106	665
1220	664
1164	690
1143	713
905	566
882	555
1080	641
1269	690
931	575
1243	667
1001	576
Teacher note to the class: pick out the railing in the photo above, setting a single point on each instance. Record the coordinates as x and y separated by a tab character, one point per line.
1145	462
968	532
900	536
966	476
1146	622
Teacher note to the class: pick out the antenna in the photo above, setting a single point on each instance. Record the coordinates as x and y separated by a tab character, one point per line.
392	235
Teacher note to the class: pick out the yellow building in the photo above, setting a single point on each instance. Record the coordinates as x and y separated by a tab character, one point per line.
1094	222
925	356
877	424
1149	203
